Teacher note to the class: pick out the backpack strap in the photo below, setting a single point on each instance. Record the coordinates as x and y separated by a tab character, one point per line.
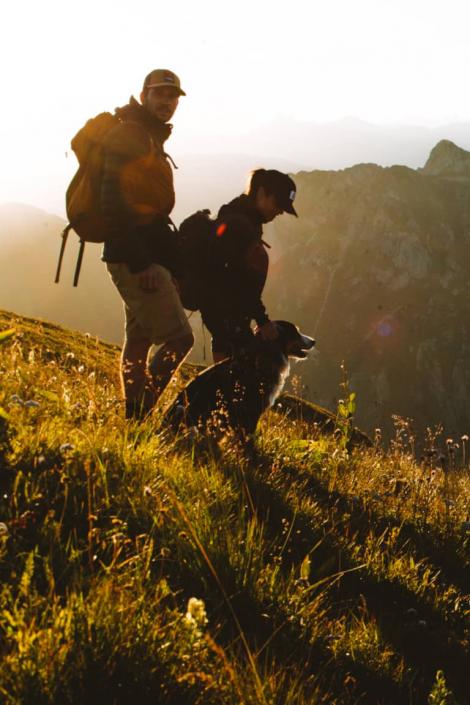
170	159
78	266
65	234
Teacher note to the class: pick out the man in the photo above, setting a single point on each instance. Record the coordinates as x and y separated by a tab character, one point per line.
137	196
239	263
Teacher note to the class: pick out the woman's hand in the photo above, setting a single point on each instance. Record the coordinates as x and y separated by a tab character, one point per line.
268	331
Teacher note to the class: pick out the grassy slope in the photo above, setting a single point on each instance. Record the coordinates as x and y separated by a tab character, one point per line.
326	577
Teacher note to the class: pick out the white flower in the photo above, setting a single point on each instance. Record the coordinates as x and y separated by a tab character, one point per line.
196	613
66	446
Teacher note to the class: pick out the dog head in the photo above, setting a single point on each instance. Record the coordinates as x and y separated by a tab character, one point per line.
291	341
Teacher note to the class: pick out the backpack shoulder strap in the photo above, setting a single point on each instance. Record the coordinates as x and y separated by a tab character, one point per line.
65	234
128	139
78	266
81	250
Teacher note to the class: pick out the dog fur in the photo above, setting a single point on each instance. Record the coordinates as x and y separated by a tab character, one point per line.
233	394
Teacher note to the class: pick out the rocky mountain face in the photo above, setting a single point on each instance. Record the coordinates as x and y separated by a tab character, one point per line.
377	268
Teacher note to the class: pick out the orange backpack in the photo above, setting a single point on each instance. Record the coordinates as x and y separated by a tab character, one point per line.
82	198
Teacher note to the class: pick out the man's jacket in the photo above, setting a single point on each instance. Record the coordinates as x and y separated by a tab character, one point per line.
137	192
238	263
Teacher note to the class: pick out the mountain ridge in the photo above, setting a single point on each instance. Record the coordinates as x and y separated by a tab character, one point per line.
376	268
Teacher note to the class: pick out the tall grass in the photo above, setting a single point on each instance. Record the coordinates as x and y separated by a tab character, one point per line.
323	576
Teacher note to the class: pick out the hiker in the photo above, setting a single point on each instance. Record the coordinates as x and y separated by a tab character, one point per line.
239	263
137	196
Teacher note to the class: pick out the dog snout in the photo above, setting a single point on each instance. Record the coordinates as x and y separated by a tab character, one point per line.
307	342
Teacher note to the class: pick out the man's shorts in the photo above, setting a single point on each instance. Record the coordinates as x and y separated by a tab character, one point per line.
154	315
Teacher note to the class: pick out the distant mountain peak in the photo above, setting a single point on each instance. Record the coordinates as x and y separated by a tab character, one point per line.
447	159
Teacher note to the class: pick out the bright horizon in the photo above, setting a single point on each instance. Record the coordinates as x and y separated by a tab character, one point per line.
245	68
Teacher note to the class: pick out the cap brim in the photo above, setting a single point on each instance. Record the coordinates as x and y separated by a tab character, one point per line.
166	85
289	208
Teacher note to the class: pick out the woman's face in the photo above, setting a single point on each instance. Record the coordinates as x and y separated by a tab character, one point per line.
266	205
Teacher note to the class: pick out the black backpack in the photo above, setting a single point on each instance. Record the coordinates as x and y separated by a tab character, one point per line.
195	235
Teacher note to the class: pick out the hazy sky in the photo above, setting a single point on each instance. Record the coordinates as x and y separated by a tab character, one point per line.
244	65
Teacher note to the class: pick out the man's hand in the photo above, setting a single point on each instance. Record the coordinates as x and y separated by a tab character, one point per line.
268	331
148	278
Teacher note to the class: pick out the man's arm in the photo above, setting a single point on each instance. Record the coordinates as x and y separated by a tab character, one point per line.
125	143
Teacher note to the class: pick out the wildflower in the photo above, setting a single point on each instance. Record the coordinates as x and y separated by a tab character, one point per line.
464	438
66	446
81	368
32	404
196	615
3	530
193	433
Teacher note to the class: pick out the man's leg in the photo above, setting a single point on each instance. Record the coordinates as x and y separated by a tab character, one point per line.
136	383
150	318
215	324
166	361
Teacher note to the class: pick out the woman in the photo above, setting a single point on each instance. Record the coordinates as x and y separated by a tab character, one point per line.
239	263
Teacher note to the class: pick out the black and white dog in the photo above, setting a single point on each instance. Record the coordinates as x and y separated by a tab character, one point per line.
233	394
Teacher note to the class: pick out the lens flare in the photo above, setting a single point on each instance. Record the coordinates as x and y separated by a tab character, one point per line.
384	329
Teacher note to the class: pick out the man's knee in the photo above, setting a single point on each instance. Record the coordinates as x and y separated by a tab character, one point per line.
136	349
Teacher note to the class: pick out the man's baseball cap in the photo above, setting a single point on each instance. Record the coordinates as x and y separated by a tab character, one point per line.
283	189
163	77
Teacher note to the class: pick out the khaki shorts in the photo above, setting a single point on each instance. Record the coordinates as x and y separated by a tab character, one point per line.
155	315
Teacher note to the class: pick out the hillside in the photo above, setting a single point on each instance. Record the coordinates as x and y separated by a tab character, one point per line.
376	268
30	243
137	567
